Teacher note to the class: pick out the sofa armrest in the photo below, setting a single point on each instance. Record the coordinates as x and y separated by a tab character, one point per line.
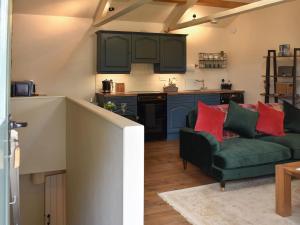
198	148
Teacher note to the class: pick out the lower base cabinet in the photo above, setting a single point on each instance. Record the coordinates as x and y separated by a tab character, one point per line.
180	105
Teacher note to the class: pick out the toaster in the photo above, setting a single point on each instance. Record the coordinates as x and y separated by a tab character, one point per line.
22	88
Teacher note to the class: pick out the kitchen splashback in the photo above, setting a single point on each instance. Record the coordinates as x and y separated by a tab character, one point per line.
142	78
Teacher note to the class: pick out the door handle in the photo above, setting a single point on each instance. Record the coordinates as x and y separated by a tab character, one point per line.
14	200
16	125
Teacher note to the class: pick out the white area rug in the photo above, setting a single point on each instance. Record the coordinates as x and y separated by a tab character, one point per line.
243	203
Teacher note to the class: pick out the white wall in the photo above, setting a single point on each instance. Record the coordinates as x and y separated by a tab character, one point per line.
249	38
56	52
59	54
43	141
105	161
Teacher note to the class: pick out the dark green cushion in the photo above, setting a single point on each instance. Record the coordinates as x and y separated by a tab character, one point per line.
241	120
243	152
191	119
292	117
290	140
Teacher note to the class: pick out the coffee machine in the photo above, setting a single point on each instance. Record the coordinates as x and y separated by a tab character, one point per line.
107	86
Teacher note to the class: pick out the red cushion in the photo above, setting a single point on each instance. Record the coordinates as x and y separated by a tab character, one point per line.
210	120
270	121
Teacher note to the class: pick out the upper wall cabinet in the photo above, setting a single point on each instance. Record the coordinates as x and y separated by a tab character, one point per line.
145	48
172	54
113	52
117	50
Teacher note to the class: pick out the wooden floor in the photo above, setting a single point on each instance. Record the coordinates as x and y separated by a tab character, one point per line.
164	172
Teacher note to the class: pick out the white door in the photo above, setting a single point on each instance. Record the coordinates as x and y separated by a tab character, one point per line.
5	15
55	200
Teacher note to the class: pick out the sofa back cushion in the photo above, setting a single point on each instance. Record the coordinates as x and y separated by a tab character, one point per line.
241	120
292	117
210	120
270	121
192	116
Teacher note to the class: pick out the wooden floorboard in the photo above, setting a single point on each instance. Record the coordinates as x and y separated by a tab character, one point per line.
164	172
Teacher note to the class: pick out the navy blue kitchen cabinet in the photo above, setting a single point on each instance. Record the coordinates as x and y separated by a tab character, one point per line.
131	102
117	50
172	54
113	52
178	107
209	99
145	48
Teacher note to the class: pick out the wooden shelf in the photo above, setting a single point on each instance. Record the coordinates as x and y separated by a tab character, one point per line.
279	96
286	57
212	60
290	77
287	91
220	68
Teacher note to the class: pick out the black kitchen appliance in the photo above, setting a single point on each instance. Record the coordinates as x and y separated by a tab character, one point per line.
225	98
152	113
22	88
107	86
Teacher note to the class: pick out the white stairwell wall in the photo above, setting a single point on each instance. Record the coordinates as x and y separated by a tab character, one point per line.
102	153
105	167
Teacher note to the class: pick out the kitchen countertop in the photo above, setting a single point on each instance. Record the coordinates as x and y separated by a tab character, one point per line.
188	92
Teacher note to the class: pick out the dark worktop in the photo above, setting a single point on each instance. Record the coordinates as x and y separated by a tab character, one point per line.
191	92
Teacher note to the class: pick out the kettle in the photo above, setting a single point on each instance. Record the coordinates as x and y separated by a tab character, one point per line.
107	86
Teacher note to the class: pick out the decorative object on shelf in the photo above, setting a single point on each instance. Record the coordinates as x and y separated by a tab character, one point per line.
282	90
226	86
123	107
171	87
120	87
284	50
285	71
212	60
110	106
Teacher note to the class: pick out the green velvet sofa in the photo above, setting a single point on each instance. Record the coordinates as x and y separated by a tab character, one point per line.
238	157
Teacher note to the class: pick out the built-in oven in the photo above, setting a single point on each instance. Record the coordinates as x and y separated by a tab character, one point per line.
152	113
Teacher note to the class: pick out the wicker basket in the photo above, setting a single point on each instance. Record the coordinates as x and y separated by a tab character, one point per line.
171	89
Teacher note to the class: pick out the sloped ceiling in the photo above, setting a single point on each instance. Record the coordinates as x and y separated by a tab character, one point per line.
72	8
151	12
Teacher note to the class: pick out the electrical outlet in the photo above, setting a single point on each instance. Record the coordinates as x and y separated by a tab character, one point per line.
162	79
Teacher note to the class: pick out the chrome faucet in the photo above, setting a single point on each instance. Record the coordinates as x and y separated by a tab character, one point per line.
203	84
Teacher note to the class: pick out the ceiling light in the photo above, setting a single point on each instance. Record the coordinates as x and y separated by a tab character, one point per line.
214	21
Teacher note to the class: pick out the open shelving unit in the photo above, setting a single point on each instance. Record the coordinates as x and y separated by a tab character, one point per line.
272	60
212	60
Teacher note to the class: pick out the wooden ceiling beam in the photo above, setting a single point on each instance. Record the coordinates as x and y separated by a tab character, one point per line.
221	3
132	5
211	3
228	13
101	9
177	13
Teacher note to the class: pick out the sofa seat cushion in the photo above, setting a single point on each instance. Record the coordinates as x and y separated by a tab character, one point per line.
242	152
290	140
